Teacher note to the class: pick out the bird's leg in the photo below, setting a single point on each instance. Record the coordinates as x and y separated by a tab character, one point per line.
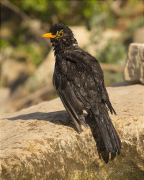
65	123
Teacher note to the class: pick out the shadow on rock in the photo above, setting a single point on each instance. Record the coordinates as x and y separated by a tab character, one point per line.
55	117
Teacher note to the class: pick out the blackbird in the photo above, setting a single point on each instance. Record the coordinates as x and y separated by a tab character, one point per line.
79	82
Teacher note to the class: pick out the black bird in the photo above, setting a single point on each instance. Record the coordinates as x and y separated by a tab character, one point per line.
79	82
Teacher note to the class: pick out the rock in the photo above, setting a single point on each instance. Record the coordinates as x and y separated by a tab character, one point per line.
34	146
14	73
43	75
5	95
134	68
82	35
45	93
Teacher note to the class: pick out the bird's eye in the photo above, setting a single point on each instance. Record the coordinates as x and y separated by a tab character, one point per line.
61	33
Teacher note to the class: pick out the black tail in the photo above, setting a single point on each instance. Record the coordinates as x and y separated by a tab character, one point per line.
109	135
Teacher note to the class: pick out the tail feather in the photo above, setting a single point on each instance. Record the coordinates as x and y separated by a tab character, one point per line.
113	133
109	135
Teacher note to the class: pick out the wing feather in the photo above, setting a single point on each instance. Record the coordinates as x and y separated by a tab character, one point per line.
80	86
90	90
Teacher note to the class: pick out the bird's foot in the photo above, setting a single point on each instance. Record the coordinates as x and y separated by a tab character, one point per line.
66	122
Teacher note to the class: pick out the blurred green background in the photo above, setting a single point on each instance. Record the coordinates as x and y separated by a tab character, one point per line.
103	28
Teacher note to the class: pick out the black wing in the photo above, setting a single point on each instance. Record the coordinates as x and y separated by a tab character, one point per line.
79	82
90	77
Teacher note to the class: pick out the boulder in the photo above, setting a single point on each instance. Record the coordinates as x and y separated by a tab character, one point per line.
34	146
43	75
14	73
82	35
4	95
134	68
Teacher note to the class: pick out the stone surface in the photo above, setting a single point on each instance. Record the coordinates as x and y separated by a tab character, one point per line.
14	73
4	96
78	32
43	75
34	146
134	68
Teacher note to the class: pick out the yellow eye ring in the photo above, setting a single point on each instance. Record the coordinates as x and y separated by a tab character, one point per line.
59	33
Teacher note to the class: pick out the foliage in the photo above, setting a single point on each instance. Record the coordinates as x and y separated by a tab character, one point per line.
4	43
33	55
36	5
94	14
64	10
135	25
114	52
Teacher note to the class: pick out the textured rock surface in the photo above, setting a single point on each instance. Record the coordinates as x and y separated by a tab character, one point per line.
134	68
35	147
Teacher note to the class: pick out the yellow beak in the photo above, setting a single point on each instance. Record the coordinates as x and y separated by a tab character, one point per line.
49	35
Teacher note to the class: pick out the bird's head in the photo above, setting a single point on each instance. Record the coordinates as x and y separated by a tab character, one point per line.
61	36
